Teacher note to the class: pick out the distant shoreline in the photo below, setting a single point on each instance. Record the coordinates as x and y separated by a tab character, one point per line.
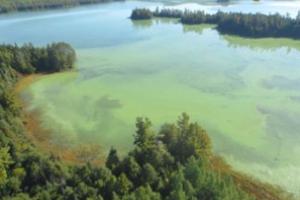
9	6
233	23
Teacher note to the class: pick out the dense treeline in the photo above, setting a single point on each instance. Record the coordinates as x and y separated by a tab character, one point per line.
173	164
27	5
249	25
260	25
142	13
28	59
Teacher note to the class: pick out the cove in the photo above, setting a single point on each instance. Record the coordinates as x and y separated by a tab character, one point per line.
245	92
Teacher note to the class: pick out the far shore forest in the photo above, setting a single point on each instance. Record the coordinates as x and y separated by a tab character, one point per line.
7	6
247	25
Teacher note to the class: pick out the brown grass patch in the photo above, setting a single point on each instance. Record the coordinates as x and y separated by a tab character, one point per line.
261	191
41	138
25	82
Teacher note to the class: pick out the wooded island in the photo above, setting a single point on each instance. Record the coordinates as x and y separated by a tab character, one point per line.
242	24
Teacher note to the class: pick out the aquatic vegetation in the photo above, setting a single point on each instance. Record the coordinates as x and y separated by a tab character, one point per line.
175	162
160	69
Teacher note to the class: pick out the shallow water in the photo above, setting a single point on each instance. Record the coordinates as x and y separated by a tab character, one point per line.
245	92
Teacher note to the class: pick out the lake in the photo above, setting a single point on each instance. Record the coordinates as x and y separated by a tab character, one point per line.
245	92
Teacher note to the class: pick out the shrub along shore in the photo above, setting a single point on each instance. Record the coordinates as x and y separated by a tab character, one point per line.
247	25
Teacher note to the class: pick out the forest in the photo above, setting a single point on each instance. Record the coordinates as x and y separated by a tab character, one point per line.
27	5
140	14
28	59
174	163
242	24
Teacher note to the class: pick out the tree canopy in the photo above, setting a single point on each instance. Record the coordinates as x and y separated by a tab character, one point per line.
139	14
28	59
242	24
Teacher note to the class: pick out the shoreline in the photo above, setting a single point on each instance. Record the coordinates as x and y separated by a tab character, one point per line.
41	137
259	189
44	7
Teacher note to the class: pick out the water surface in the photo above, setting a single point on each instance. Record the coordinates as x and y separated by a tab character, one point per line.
245	92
